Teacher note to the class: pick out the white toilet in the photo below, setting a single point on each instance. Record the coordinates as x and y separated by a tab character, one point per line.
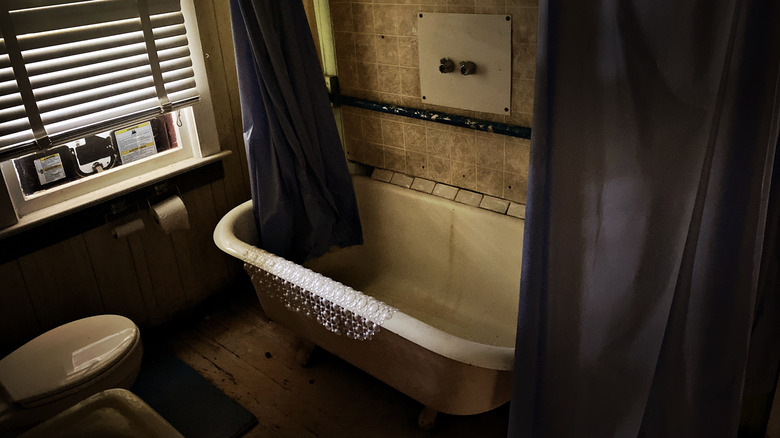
66	365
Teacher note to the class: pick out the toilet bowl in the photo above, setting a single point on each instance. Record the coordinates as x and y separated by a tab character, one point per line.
66	365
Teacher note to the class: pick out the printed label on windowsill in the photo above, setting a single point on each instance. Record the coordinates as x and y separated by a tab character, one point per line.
49	169
135	142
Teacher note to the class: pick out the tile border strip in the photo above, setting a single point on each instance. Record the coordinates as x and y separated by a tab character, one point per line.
433	116
463	196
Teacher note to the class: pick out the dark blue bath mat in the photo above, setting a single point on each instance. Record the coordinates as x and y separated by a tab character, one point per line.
192	405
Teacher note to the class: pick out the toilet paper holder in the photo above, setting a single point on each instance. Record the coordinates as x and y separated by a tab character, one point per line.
120	214
160	192
167	208
120	210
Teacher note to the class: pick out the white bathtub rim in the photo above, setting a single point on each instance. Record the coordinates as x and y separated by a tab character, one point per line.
224	234
450	346
403	325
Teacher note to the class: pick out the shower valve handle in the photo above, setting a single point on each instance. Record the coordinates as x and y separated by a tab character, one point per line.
467	68
447	66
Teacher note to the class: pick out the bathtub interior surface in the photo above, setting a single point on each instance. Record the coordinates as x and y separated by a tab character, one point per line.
454	267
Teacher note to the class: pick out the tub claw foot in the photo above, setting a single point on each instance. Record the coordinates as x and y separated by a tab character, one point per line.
427	418
304	352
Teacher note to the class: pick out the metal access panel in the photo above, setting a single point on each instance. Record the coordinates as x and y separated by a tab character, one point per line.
448	42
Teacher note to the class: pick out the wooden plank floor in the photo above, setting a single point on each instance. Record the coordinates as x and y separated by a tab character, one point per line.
234	345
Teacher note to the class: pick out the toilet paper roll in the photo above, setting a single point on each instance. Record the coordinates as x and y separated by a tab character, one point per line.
128	228
171	214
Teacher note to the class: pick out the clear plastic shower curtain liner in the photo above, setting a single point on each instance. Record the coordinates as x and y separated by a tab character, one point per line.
304	202
648	300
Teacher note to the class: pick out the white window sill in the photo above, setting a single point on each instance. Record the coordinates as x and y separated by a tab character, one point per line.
69	206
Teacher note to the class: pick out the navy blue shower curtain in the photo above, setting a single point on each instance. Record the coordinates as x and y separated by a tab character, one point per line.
303	197
648	300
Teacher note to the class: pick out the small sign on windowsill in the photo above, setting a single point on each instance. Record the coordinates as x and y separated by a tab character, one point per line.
135	142
49	168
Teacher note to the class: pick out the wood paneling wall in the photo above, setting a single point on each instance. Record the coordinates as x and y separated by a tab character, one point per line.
149	276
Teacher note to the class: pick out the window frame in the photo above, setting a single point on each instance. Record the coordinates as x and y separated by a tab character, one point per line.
199	146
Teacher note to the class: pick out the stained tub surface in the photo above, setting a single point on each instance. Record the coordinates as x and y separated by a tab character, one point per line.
452	272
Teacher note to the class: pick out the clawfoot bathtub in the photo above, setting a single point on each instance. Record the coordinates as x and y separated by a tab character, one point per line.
428	304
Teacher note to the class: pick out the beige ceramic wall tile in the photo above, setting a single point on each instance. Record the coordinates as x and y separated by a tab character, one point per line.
402	180
389	80
386	19
372	128
367	76
423	185
345	45
515	187
352	123
494	204
348	74
441	7
464	147
522	95
374	154
412	102
445	191
387	50
490	10
365	49
490	181
464	175
516	210
407	51
392	133
407	20
382	175
341	15
363	17
524	25
358	92
395	159
491	117
416	164
520	119
391	98
524	61
410	82
355	149
456	9
414	137
439	142
490	150
526	3
517	155
469	198
439	169
416	122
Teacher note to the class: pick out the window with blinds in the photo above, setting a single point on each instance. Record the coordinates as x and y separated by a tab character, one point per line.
70	69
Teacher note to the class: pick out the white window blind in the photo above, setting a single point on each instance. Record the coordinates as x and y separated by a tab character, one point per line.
70	68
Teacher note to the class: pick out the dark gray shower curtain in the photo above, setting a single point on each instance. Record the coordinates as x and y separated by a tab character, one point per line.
303	197
648	302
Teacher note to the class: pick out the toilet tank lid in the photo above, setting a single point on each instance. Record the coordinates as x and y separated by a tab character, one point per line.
66	356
